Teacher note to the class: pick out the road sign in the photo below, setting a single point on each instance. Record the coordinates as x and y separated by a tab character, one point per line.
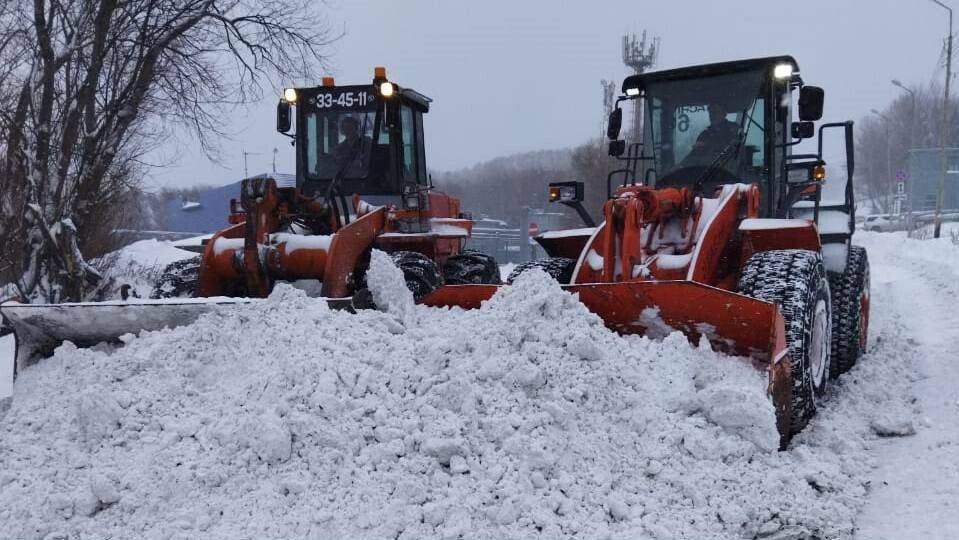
897	207
901	187
533	228
901	175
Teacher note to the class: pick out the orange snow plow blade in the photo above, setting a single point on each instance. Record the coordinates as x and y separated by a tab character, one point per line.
733	323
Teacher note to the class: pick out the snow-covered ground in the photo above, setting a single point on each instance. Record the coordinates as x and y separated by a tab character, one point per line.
526	418
915	489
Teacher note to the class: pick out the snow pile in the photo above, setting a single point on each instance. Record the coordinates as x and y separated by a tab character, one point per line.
525	418
139	265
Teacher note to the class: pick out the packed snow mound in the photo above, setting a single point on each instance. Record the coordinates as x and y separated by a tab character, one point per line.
138	265
525	418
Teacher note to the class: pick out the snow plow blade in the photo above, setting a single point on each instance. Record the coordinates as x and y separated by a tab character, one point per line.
39	328
733	323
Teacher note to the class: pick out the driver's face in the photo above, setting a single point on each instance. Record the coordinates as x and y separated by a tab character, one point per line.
716	114
349	128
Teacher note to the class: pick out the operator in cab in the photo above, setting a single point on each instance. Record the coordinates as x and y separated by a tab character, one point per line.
716	137
352	153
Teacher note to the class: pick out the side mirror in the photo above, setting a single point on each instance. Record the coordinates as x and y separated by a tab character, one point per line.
810	103
617	148
803	130
615	124
283	121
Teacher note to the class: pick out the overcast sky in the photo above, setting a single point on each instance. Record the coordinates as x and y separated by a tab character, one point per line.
509	76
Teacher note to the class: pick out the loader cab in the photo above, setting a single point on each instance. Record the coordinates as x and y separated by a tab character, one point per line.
365	139
731	122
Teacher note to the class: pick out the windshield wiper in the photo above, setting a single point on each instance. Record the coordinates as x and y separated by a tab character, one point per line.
724	156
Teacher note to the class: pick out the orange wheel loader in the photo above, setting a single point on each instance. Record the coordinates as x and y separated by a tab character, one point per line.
361	183
719	227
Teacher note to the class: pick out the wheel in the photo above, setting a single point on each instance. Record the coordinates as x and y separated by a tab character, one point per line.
795	280
179	279
850	315
421	273
559	268
471	267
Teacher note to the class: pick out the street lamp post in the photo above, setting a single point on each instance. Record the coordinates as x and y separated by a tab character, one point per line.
913	136
945	126
886	123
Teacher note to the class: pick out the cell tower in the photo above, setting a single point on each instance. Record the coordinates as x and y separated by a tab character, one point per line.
639	55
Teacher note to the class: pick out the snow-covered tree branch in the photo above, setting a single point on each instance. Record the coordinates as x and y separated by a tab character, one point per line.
88	87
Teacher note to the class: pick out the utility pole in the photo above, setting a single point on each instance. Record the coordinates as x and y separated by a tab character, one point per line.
246	169
944	130
913	142
609	97
886	122
639	56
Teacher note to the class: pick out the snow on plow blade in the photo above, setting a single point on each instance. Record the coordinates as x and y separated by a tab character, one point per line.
733	323
39	328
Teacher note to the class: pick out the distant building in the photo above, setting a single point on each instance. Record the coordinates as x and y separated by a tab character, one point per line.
209	212
923	181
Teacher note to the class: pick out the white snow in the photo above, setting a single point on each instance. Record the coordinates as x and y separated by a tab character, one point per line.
594	260
222	244
916	486
834	256
141	263
566	233
7	356
301	241
764	224
447	229
523	419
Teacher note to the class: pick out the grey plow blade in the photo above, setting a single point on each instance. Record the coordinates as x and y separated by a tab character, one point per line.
40	328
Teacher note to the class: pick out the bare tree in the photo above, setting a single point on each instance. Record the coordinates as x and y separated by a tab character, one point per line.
883	141
90	86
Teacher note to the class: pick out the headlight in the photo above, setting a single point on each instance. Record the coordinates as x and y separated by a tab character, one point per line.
411	201
783	71
386	89
289	95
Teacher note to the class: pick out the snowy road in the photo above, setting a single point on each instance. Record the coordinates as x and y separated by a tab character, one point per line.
915	489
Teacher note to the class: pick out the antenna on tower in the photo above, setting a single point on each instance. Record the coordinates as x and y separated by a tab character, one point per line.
639	55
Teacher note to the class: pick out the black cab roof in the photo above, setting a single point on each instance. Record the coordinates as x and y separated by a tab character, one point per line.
704	70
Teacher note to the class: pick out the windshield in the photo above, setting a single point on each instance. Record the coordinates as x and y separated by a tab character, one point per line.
710	127
338	137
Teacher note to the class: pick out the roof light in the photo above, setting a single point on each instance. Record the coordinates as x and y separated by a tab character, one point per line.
783	71
289	95
328	81
632	91
379	72
386	89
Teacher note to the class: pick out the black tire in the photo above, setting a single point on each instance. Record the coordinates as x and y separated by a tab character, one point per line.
850	315
795	280
559	268
179	279
421	273
471	267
